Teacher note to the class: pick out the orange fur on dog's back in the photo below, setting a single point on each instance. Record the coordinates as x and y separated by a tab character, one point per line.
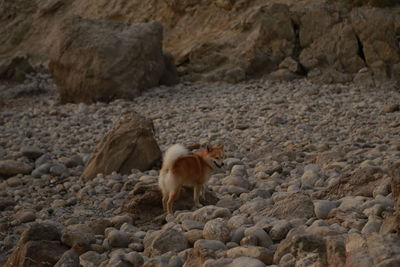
192	169
180	168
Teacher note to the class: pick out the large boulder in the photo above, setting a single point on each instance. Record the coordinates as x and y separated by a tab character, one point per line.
272	39
97	60
38	246
130	144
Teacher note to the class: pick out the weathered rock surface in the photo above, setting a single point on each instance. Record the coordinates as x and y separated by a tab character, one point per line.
261	253
15	69
144	201
11	167
162	241
394	172
361	183
68	259
100	61
295	205
226	40
130	144
38	245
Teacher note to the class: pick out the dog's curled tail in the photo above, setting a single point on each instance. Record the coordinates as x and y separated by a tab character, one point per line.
172	154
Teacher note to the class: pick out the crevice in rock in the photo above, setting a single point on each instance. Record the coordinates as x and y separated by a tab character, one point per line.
297	48
360	51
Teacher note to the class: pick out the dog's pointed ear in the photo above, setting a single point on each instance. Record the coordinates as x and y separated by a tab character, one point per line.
208	147
221	146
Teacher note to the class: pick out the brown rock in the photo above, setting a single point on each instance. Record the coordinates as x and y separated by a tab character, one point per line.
334	54
394	172
7	204
78	236
263	254
68	259
87	67
130	144
389	108
99	225
144	202
39	246
12	167
290	64
329	156
328	251
15	68
296	205
361	183
193	235
372	250
300	243
284	75
316	22
162	241
378	38
198	256
351	219
271	40
170	74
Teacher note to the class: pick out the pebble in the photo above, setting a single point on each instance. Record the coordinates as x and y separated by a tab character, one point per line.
25	216
32	152
91	259
263	239
217	229
118	239
323	207
210	244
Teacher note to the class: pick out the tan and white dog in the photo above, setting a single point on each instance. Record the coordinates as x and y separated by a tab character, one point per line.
181	168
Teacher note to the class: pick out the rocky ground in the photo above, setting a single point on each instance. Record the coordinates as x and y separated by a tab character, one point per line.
305	182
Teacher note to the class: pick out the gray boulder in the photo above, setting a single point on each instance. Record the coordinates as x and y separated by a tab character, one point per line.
96	60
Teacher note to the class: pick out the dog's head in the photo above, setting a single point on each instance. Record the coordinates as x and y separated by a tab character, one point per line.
215	155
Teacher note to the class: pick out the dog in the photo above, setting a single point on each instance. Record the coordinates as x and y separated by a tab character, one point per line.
182	168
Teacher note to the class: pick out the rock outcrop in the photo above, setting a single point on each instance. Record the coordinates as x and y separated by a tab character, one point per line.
229	40
130	144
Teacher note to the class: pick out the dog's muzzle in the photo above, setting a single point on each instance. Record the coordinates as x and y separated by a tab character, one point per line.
218	165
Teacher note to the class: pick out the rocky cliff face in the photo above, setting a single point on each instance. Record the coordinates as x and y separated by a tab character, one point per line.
231	40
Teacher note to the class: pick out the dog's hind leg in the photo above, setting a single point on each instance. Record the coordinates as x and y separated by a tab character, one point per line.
163	188
197	191
164	201
172	196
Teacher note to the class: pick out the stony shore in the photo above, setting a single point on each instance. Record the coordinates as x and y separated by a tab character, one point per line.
300	158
